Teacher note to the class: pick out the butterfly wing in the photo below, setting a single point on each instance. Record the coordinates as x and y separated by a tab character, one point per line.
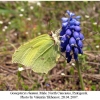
40	54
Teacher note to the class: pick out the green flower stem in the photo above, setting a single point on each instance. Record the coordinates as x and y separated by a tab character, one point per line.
80	76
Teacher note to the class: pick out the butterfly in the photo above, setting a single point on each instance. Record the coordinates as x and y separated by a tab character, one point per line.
40	54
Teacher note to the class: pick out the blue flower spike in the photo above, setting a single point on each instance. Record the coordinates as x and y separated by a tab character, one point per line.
71	37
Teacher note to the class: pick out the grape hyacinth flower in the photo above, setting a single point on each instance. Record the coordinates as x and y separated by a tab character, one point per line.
71	37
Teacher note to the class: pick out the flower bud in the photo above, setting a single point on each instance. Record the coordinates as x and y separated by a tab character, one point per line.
75	56
80	51
77	23
72	41
68	32
62	32
76	50
63	38
68	48
69	58
64	19
77	28
76	35
78	17
81	36
64	24
72	27
80	44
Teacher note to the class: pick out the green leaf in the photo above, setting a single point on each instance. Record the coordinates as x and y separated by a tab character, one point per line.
40	54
